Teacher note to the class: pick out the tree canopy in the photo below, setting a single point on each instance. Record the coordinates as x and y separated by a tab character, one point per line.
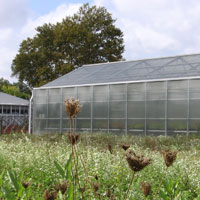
89	36
15	89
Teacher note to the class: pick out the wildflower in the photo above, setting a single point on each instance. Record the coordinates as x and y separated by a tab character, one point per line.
169	157
146	188
49	195
136	163
125	146
72	107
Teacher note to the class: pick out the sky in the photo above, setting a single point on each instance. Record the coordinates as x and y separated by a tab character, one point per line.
153	28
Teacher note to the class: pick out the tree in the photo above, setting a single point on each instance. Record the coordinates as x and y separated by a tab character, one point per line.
15	89
87	37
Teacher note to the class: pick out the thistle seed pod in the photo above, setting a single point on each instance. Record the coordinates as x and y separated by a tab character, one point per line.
96	187
125	146
73	139
62	187
72	107
49	195
136	163
169	157
110	148
146	188
25	184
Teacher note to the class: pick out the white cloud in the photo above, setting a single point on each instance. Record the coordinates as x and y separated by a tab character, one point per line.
151	28
156	28
17	22
55	16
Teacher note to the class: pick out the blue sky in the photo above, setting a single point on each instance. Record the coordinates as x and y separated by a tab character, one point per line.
42	7
152	28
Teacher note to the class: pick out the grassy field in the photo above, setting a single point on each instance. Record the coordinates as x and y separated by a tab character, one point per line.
29	167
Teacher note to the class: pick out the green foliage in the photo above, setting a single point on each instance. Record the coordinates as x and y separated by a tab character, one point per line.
15	89
87	37
45	161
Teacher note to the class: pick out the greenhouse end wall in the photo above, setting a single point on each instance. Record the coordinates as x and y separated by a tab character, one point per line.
144	108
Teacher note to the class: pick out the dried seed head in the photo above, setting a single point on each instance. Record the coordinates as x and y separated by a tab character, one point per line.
112	197
96	177
49	195
39	185
108	193
62	186
72	107
146	188
73	138
125	146
169	157
110	148
96	187
82	190
136	163
25	184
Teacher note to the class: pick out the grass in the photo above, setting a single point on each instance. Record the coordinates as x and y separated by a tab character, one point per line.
31	159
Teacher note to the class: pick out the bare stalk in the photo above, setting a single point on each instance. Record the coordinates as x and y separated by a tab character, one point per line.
161	182
131	182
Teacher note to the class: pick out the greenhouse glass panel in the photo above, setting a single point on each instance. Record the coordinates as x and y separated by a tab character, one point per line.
100	110
118	92
40	111
136	92
156	109
177	125
194	125
40	125
118	109
157	124
137	124
156	91
177	108
136	109
85	111
65	124
100	124
54	96
54	110
117	124
194	89
84	93
41	96
101	93
54	123
83	124
69	92
178	89
194	108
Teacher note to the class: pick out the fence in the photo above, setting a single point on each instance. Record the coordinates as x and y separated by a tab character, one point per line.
13	123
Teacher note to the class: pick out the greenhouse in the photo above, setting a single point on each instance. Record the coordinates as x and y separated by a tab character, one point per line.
158	96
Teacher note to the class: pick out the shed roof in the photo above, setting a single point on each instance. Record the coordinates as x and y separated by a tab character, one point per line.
7	99
124	71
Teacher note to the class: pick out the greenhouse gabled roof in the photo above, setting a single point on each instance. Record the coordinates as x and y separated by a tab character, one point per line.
7	99
125	71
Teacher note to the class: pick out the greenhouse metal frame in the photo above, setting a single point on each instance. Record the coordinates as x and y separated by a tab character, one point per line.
166	103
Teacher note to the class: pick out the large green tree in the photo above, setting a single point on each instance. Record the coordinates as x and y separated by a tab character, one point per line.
15	89
89	36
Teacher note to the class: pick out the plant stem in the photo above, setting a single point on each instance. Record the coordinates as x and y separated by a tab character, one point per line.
76	167
131	182
161	181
